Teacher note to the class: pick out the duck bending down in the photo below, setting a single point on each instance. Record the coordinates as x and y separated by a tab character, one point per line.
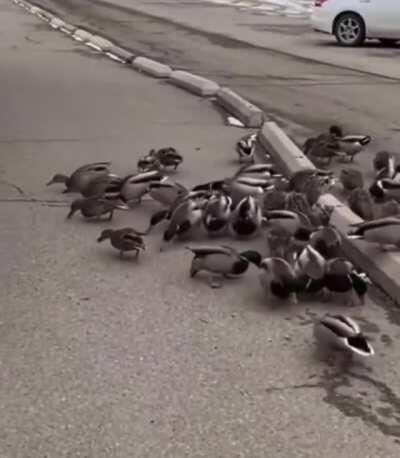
309	268
245	147
342	280
166	192
125	239
342	333
186	216
216	214
95	207
80	178
134	187
279	279
350	145
246	219
382	231
219	261
107	186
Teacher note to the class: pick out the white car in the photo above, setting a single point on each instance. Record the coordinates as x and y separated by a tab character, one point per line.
354	21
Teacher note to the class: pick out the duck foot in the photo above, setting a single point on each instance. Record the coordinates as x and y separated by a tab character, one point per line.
214	282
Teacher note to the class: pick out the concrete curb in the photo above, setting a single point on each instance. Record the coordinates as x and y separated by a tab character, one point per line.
382	268
288	157
193	83
120	53
249	114
152	67
82	35
68	29
99	43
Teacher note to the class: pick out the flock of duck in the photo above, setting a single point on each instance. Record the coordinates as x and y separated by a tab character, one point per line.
305	256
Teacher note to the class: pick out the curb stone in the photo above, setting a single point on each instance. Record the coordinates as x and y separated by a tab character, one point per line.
283	150
122	54
249	114
100	43
383	268
69	29
57	23
82	35
193	83
152	67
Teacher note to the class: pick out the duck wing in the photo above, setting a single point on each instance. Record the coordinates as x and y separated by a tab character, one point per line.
94	167
207	250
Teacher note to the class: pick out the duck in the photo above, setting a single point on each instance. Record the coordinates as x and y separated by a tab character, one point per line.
220	261
166	192
298	182
388	208
125	239
148	162
311	263
286	220
384	164
385	188
351	179
360	202
245	147
243	186
182	220
279	279
382	231
95	207
327	241
343	333
266	170
168	157
108	186
216	214
350	145
200	197
321	149
246	219
274	199
79	179
341	279
135	186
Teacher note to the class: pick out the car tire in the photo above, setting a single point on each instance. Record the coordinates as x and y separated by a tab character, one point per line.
349	29
388	41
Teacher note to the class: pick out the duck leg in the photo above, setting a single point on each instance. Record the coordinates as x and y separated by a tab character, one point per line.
121	254
214	281
111	214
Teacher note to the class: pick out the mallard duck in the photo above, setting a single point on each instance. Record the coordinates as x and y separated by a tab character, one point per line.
384	164
385	188
95	207
351	179
221	261
169	157
108	186
340	278
279	279
246	146
310	263
389	208
216	214
81	176
287	220
322	149
342	333
360	202
350	145
186	216
258	171
243	186
327	241
125	239
382	231
245	220
274	200
298	182
149	162
134	187
166	192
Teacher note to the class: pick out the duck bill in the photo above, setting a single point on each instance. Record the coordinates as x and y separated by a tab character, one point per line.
100	239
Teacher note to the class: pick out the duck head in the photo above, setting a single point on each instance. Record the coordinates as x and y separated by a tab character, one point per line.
252	256
105	234
336	130
58	178
75	206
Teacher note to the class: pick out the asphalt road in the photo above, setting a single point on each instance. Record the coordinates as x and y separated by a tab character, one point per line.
108	358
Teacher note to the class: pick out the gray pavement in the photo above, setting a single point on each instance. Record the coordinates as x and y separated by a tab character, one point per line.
109	358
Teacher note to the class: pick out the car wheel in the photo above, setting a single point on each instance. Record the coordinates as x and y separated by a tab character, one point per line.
388	41
349	30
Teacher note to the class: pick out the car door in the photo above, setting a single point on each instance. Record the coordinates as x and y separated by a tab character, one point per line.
382	17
